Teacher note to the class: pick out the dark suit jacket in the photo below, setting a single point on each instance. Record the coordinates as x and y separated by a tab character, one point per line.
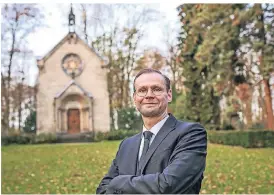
174	163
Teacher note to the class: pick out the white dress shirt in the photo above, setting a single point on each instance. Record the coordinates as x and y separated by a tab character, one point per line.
155	129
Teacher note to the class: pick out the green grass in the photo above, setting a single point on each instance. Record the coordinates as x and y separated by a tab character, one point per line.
78	168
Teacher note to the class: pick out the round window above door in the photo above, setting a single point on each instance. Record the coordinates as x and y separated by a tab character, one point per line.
72	65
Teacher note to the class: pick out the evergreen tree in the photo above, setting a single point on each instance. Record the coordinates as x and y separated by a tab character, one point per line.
30	122
212	41
200	103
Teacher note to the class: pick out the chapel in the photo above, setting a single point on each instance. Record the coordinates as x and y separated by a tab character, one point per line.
72	95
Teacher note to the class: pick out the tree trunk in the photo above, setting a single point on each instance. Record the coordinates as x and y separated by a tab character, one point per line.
9	78
4	97
20	105
268	105
262	113
248	113
265	81
111	110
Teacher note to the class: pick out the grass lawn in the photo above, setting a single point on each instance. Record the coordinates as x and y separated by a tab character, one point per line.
78	169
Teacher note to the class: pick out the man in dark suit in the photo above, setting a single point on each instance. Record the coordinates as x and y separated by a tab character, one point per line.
168	157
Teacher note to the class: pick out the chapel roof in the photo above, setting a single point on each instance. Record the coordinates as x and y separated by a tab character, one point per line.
72	82
62	41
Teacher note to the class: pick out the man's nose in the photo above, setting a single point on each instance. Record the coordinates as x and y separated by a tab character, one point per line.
149	94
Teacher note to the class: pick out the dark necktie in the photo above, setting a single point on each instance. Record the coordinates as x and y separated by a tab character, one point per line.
147	137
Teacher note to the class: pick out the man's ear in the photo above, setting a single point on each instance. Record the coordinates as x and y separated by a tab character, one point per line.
133	97
169	95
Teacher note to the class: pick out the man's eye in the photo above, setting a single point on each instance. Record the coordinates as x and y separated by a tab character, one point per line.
142	90
157	89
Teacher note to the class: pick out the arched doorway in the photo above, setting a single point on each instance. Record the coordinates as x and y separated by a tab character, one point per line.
74	114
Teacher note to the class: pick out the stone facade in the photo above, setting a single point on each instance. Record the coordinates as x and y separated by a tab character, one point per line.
68	104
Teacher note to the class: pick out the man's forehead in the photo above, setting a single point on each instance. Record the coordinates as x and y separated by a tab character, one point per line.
149	79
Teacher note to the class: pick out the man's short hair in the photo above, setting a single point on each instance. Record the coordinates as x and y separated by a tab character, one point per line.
151	70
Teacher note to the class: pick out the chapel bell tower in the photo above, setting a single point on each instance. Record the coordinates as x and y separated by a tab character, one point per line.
71	20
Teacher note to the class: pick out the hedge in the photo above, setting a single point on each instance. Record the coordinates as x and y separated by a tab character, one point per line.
114	135
52	138
28	139
247	139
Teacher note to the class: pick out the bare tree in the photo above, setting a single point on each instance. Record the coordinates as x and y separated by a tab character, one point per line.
18	21
117	38
171	34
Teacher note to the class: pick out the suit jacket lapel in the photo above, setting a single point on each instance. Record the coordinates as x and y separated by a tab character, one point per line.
134	151
168	126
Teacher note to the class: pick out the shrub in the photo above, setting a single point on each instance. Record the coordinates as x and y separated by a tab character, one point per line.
114	135
16	139
121	134
30	122
129	118
227	126
28	139
247	139
99	136
257	126
45	138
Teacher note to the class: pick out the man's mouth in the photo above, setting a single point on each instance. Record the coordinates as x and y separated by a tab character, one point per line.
149	103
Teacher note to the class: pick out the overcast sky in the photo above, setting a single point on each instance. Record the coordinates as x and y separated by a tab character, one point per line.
46	38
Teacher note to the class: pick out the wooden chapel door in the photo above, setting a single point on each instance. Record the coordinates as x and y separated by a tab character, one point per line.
73	121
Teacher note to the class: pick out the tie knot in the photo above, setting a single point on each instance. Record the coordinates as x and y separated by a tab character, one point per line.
147	135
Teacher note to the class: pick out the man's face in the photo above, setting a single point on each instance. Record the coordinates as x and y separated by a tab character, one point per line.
151	105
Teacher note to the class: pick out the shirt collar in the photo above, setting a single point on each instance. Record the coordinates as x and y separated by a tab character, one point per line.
156	128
